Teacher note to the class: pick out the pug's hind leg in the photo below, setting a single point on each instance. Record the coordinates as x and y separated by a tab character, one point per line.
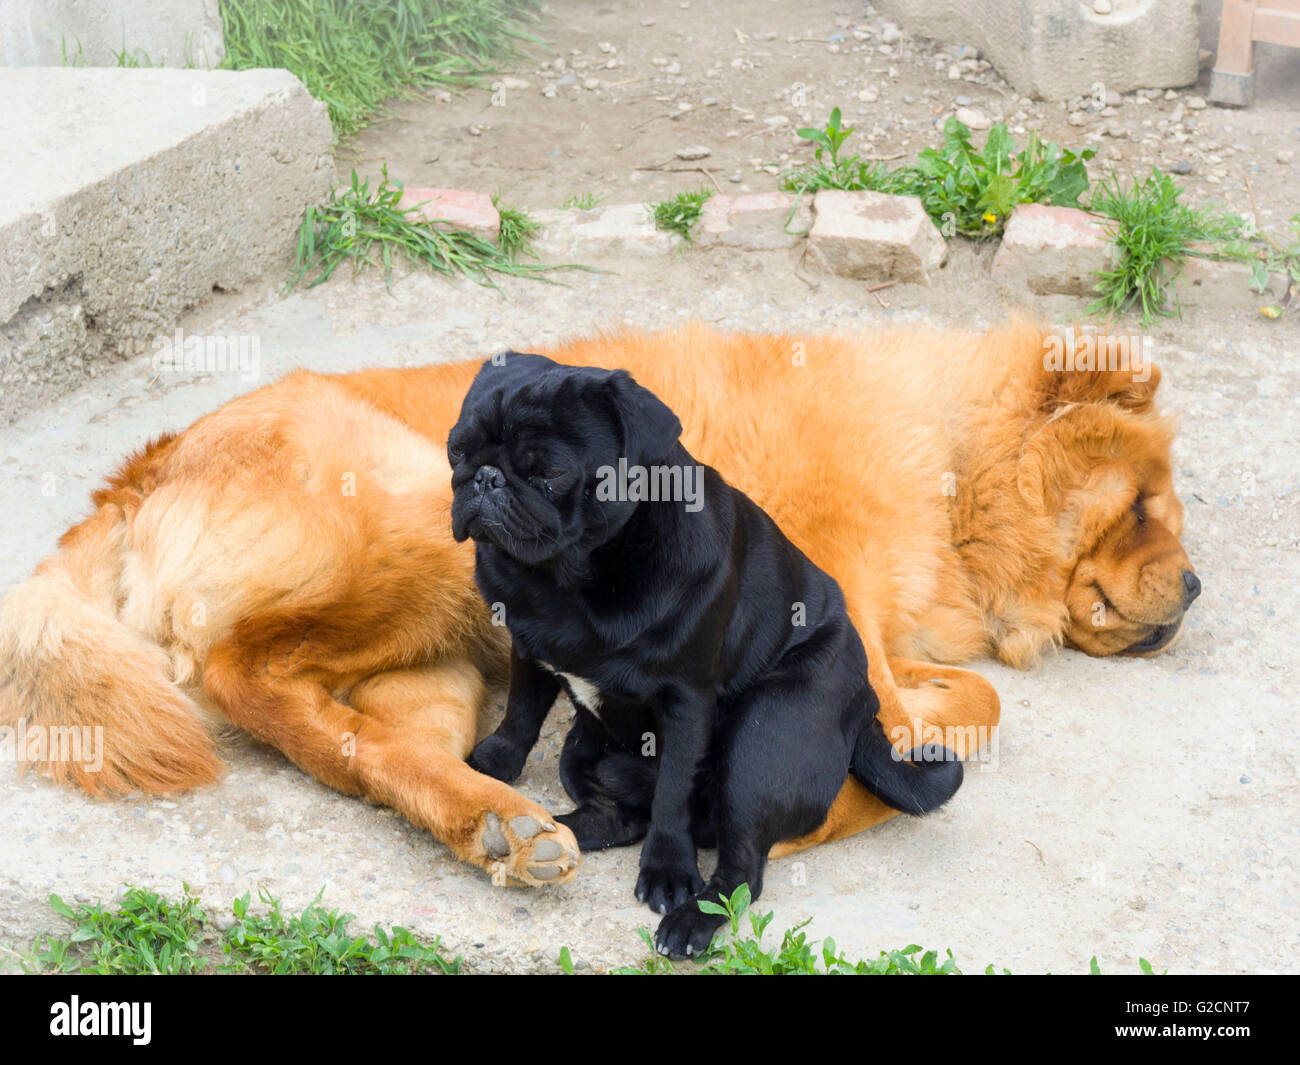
612	787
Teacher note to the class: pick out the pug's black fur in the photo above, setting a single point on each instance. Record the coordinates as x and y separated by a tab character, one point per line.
721	690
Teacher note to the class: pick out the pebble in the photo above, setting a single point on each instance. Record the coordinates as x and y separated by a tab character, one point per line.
1196	103
673	68
776	121
591	83
868	96
1102	7
973	117
1285	155
227	874
962	101
694	151
889	33
1183	166
1078	118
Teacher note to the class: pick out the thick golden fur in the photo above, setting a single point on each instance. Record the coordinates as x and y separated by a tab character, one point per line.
286	563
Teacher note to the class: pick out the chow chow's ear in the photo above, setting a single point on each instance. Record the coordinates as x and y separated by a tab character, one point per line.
650	429
1135	392
1091	367
1062	455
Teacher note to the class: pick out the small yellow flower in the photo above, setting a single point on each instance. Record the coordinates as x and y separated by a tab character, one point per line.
990	217
1271	312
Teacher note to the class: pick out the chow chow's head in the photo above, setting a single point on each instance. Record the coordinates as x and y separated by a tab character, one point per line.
1100	468
528	450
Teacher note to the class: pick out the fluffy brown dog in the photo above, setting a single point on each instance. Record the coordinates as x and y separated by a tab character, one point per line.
286	563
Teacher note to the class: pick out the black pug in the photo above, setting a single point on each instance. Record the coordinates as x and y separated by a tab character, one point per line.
721	689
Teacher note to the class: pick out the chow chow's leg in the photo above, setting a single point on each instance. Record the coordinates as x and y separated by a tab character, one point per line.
922	697
402	743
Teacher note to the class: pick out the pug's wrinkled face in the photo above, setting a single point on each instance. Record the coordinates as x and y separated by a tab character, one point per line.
526	452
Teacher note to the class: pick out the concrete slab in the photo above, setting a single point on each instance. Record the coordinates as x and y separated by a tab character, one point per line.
128	195
176	33
1134	807
1056	49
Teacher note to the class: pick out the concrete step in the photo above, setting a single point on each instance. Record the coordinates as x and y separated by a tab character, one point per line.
127	196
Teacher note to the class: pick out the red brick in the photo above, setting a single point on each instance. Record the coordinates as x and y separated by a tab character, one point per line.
458	208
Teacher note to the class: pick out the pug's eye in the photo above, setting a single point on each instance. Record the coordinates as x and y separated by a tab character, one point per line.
456	452
543	484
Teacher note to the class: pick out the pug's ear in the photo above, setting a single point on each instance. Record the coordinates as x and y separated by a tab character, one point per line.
650	429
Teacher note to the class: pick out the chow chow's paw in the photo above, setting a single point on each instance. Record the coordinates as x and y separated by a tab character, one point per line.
529	849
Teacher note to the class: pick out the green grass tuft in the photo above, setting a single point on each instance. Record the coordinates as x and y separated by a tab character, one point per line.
744	954
582	201
144	934
679	213
1154	233
354	56
365	226
518	228
317	942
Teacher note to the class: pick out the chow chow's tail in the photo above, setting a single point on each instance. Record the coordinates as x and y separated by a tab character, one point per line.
83	698
915	783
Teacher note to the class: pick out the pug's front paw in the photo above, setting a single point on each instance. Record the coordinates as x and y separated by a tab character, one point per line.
687	931
669	874
498	758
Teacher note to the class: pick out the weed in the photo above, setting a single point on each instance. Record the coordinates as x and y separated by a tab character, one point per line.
355	56
1154	233
317	942
518	228
71	59
144	934
963	189
746	954
1277	257
359	222
679	213
582	201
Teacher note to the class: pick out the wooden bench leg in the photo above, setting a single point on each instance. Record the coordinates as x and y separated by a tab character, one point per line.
1233	80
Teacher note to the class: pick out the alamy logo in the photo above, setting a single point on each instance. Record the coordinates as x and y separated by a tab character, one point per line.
1066	353
22	742
178	353
102	1018
651	484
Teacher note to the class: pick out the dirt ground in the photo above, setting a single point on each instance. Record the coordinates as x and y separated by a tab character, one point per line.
1132	807
619	88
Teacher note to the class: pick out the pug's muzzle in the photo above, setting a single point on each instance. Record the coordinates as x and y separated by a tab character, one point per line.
480	505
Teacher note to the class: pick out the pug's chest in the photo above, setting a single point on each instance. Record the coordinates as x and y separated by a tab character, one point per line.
627	715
